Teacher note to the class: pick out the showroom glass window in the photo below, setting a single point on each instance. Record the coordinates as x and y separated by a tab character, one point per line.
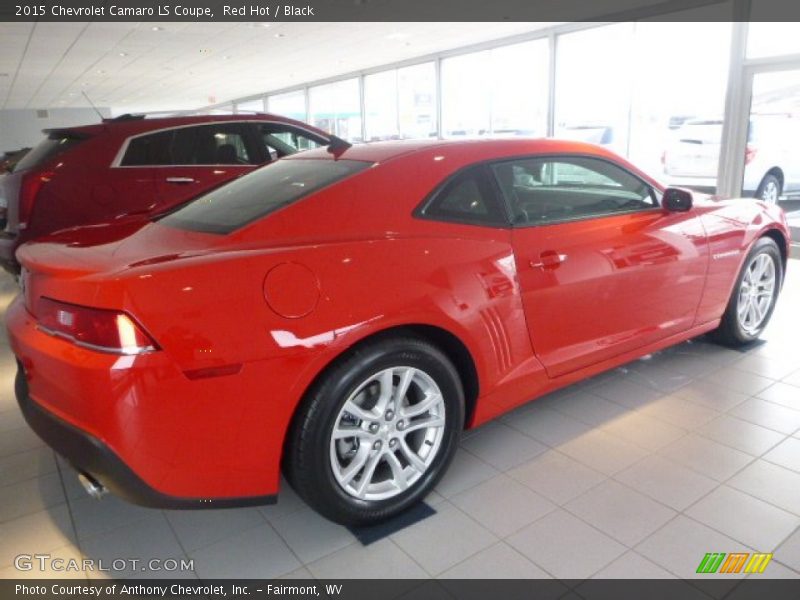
676	85
251	106
380	102
290	104
466	100
541	191
767	38
500	92
647	107
336	108
416	101
401	103
593	85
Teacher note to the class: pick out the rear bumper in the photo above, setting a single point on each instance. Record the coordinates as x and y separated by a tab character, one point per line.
145	430
89	455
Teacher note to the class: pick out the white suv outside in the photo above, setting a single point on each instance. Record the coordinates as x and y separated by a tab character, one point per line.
772	157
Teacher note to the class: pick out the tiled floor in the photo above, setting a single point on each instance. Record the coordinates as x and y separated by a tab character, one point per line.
636	473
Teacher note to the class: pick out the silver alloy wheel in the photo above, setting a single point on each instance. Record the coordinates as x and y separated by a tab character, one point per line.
756	293
770	192
387	433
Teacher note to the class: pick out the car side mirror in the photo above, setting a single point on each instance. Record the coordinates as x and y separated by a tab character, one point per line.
677	199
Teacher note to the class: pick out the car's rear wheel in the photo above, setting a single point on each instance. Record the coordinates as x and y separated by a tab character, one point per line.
754	295
770	189
376	433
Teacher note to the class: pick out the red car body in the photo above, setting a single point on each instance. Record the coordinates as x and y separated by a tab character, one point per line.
78	175
244	322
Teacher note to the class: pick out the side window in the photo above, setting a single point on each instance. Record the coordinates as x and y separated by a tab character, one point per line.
148	150
468	198
217	144
545	190
281	140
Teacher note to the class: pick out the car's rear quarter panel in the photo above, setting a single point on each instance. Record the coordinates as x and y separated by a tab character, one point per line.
209	310
732	226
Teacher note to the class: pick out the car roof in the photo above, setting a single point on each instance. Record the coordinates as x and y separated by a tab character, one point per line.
461	152
133	124
483	149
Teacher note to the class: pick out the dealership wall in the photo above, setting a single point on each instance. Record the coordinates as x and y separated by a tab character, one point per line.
22	128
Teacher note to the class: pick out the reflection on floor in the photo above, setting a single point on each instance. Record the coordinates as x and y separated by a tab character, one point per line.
636	473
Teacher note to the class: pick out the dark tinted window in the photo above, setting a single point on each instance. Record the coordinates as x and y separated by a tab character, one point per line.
54	144
215	144
259	193
545	190
152	149
467	198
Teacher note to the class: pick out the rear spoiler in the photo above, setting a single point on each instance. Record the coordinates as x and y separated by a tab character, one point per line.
125	117
67	132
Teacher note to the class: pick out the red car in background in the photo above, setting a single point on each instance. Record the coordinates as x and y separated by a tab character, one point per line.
135	166
346	312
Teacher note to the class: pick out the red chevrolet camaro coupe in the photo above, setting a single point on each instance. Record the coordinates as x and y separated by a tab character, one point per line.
345	313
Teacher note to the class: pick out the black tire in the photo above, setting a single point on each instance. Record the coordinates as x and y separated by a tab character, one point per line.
770	184
730	331
308	463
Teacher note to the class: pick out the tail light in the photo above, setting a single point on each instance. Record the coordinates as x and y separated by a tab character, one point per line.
31	186
99	329
749	154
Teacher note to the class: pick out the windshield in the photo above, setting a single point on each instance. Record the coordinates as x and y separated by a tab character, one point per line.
259	193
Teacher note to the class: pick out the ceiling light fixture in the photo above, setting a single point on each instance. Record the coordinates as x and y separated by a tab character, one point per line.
123	54
156	28
280	35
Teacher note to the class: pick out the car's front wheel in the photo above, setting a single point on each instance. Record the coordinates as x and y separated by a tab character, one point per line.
770	189
754	295
376	433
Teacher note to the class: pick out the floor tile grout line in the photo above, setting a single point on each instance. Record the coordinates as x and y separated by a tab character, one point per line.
498	539
297	556
703	435
13	454
391	536
674	518
409	555
709	526
772	504
751	460
69	511
178	539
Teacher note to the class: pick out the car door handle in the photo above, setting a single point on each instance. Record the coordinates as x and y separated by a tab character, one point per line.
548	259
180	180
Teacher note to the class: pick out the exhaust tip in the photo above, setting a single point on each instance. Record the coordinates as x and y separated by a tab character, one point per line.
94	488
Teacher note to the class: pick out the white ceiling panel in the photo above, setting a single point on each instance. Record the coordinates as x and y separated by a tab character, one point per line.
174	66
